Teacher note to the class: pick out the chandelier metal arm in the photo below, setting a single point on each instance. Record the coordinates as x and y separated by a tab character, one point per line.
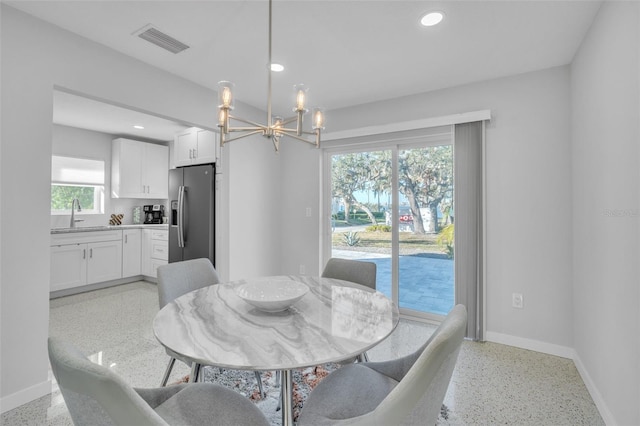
249	133
242	120
292	134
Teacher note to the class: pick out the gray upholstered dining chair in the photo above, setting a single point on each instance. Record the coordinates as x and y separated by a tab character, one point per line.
178	278
356	271
406	391
95	395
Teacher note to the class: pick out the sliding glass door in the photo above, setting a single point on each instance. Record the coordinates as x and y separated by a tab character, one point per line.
425	252
392	204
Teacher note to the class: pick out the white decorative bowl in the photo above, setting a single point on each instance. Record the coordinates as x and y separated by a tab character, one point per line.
272	295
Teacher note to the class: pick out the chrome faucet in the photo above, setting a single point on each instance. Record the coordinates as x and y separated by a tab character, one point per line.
72	224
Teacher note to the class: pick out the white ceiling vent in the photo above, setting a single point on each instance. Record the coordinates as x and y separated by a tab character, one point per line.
157	37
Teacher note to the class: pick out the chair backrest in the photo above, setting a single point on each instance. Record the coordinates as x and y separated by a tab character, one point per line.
419	395
356	271
94	394
178	278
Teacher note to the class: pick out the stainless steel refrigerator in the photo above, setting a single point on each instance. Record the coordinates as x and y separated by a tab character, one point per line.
192	213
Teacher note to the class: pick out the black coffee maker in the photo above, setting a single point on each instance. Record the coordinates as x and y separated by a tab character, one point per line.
153	213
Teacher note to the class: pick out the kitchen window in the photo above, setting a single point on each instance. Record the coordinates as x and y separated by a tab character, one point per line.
79	178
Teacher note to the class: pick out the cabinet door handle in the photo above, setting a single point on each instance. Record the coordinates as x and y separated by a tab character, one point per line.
191	154
195	153
91	253
125	239
84	253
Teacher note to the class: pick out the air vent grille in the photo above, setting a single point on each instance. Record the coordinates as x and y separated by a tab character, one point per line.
157	37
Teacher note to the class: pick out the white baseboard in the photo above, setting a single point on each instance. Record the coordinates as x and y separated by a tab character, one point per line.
530	344
23	396
606	414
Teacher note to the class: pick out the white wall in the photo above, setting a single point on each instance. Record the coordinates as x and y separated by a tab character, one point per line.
300	190
36	57
254	207
606	210
81	143
528	196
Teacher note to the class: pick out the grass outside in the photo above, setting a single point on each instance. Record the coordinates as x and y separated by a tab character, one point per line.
380	242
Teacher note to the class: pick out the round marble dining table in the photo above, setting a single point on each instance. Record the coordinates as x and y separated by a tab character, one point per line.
336	320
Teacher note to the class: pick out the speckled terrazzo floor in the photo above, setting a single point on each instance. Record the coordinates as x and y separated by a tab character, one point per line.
492	384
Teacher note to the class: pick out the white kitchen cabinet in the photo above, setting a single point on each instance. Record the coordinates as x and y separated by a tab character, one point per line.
139	170
83	258
155	251
68	266
104	262
194	146
131	252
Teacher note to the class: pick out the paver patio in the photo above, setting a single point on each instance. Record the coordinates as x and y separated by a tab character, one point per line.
426	282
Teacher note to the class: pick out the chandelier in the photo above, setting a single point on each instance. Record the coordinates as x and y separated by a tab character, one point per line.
276	126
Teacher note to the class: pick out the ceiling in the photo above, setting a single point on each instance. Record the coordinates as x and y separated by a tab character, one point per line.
76	111
347	52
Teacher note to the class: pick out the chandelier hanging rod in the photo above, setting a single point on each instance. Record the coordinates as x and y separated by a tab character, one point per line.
275	127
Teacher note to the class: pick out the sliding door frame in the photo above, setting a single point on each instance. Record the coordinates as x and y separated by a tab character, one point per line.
394	145
354	140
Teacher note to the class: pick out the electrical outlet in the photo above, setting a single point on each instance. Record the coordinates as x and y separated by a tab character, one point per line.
308	211
303	270
517	301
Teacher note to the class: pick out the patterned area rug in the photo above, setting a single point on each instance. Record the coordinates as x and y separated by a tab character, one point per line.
304	381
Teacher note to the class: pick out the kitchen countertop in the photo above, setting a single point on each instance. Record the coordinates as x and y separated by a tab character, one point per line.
106	228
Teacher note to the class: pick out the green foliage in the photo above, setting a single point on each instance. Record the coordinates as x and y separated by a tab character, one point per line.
378	228
446	238
351	238
62	196
425	178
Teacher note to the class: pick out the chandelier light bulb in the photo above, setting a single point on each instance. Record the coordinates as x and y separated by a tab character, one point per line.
226	97
300	91
318	118
225	94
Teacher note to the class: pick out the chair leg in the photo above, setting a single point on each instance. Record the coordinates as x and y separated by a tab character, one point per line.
195	372
363	357
167	372
280	400
260	388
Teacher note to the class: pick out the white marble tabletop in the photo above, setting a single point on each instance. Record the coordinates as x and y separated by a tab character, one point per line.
334	321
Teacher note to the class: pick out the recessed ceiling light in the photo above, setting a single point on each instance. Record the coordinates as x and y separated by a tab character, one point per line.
139	127
432	18
277	67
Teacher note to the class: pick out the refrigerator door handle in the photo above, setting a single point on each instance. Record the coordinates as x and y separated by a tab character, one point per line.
181	216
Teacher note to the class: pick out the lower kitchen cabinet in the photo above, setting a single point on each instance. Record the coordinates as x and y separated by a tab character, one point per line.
68	266
89	257
104	262
85	258
131	252
155	251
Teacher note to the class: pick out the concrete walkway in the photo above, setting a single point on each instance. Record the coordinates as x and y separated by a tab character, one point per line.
426	283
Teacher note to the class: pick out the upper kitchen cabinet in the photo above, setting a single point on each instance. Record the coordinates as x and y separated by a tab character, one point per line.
194	146
139	170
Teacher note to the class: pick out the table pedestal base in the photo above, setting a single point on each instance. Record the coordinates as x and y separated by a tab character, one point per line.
287	398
